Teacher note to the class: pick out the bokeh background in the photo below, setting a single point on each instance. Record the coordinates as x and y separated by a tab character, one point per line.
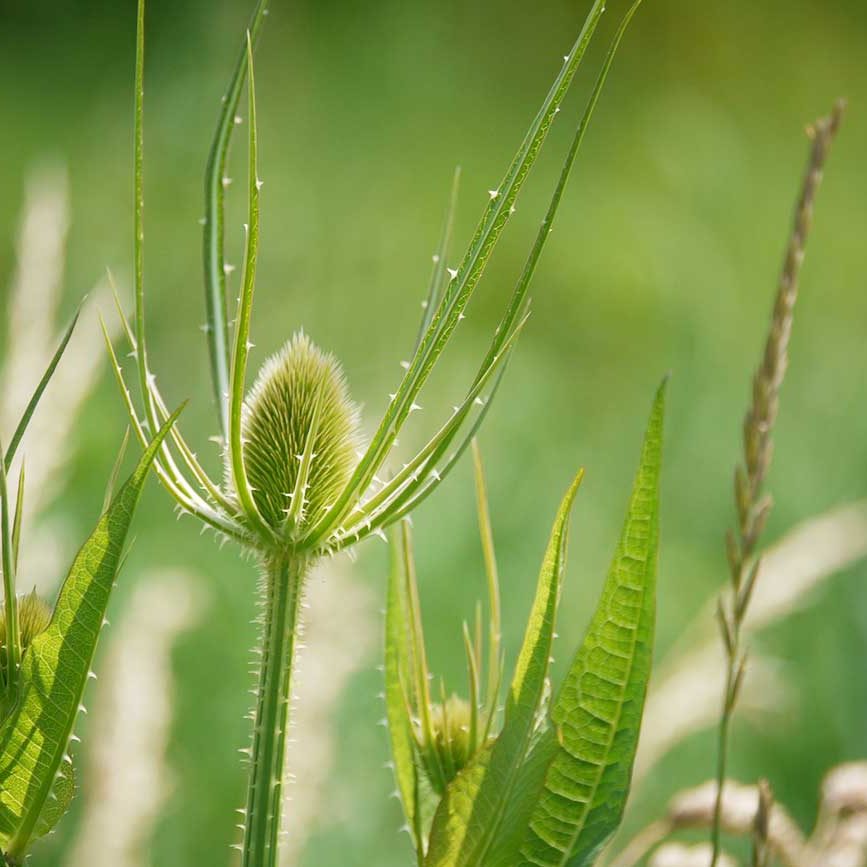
664	258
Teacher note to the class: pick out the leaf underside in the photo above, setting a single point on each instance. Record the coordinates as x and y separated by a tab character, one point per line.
597	714
53	674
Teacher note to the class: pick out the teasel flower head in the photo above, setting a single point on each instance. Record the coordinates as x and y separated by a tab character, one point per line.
292	480
300	434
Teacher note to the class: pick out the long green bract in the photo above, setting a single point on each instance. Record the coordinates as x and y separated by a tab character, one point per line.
37	394
13	636
518	300
458	293
440	265
397	667
214	230
242	328
597	714
55	668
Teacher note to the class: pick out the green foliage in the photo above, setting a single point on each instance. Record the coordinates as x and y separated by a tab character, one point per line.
550	788
46	692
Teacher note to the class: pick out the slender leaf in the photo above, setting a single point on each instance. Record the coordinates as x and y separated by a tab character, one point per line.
397	668
37	394
518	301
214	225
55	669
457	294
10	600
597	714
245	312
469	819
440	265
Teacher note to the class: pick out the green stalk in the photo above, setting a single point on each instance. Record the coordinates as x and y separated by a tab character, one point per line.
13	634
284	576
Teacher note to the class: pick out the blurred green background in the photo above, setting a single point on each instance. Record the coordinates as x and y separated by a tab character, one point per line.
665	257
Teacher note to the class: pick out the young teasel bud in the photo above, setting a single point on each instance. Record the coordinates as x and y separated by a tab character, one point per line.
299	406
449	749
34	615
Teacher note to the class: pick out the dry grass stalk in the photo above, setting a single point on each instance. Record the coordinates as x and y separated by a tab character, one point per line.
762	826
752	503
696	809
682	855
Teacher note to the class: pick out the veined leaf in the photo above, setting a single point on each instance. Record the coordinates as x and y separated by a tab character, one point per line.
470	816
597	714
55	669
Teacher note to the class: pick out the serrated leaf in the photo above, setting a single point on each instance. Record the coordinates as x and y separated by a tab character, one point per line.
58	803
597	714
55	669
470	816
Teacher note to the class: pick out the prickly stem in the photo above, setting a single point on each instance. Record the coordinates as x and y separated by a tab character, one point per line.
283	580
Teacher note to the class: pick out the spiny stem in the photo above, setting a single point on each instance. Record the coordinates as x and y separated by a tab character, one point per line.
284	576
752	505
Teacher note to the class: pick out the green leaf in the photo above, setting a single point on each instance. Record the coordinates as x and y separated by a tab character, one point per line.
214	225
470	816
597	714
397	667
55	669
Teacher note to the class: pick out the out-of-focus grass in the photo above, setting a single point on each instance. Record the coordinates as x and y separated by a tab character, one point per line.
665	257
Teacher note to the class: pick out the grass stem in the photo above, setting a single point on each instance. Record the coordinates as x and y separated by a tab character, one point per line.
752	504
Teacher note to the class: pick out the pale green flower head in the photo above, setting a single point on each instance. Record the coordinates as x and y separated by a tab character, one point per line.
299	399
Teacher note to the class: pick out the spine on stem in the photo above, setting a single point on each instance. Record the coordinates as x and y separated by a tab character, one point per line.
284	576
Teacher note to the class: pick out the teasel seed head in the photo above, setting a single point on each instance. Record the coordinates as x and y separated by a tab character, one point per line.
299	407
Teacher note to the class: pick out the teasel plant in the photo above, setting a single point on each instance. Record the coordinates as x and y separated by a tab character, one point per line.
752	503
545	780
296	488
46	651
